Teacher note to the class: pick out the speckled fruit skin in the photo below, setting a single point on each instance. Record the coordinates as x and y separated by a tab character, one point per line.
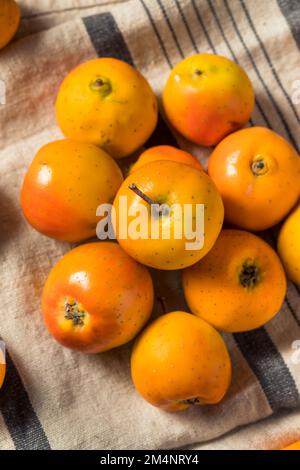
206	97
215	291
180	357
165	152
108	103
113	291
169	182
9	21
256	198
294	446
63	187
289	245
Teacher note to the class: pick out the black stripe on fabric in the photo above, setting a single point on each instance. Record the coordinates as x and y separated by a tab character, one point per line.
148	13
288	303
281	116
106	37
291	11
297	288
269	367
108	41
259	107
201	22
19	416
269	61
212	9
165	15
186	26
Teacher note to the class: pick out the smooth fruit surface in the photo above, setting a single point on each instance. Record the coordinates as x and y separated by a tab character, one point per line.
258	175
2	374
9	21
206	97
63	187
240	285
166	152
170	183
108	103
180	360
289	245
96	298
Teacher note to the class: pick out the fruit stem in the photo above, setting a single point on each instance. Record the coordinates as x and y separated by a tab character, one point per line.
101	86
146	198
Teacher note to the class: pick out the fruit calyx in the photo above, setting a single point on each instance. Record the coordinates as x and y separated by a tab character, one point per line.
249	275
74	311
102	86
191	401
259	166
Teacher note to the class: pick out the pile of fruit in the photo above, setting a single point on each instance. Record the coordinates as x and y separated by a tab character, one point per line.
100	294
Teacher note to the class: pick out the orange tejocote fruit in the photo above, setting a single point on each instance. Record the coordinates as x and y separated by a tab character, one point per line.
258	175
63	187
10	16
239	286
289	245
108	103
165	152
179	361
96	298
206	97
159	221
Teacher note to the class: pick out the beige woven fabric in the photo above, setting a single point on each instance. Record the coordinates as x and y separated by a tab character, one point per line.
59	399
272	433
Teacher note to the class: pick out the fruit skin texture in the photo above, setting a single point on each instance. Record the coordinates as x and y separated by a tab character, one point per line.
169	182
294	446
180	357
239	286
63	187
10	16
258	175
289	245
108	103
114	292
206	97
2	374
165	152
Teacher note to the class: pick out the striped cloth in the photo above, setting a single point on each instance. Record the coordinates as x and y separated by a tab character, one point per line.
54	398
